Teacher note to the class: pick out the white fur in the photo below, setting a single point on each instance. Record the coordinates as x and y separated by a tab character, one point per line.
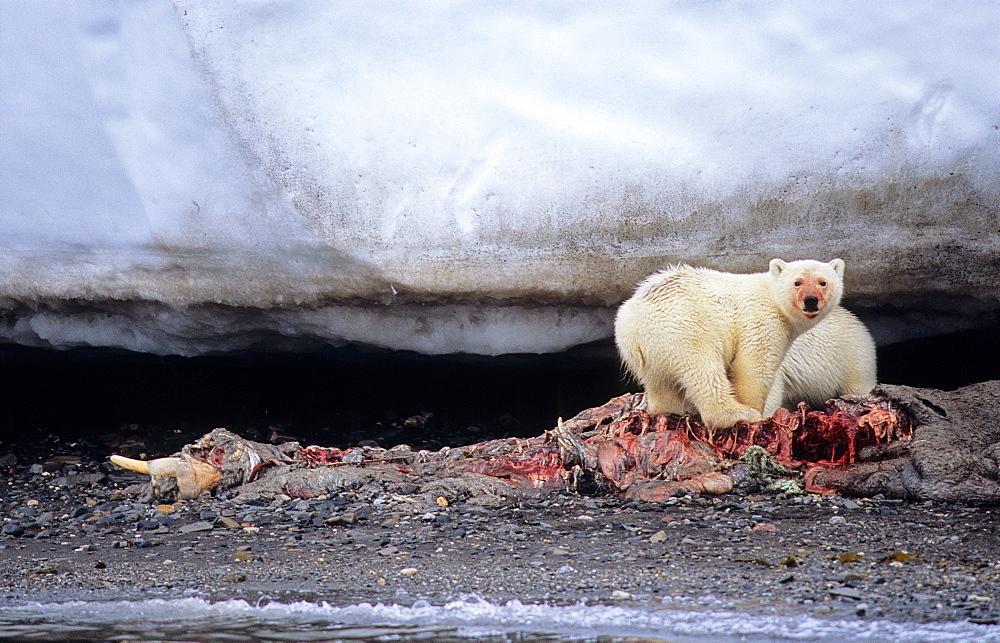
836	357
708	342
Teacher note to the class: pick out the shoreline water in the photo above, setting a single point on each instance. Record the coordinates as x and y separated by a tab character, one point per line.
469	618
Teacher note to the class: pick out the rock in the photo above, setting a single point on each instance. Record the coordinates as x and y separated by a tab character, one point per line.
79	479
846	592
300	516
658	537
344	519
227	522
201	525
243	555
12	529
408	571
7	462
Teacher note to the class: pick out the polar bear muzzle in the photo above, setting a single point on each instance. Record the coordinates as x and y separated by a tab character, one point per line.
812	293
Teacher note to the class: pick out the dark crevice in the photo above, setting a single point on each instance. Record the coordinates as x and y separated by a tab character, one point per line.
340	397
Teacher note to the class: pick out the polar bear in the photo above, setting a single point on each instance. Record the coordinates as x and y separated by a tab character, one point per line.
709	342
836	357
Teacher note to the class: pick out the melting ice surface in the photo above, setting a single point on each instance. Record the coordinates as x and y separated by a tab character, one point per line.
469	619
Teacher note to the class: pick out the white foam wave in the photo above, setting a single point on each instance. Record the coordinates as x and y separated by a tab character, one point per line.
473	617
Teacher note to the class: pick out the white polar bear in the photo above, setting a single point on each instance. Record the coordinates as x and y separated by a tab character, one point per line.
836	357
708	342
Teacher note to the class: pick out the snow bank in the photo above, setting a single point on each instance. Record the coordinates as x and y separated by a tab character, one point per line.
489	177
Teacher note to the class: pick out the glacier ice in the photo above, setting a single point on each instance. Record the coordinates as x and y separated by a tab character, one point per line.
187	177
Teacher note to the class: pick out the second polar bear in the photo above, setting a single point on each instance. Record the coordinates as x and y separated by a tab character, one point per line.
834	358
709	342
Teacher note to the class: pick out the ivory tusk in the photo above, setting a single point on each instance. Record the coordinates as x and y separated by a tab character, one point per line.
158	468
132	465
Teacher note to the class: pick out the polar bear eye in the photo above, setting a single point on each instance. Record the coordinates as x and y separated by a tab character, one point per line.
822	284
798	283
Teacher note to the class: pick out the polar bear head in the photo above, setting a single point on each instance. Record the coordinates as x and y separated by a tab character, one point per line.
805	291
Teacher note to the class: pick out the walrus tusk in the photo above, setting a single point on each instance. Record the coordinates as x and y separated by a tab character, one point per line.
132	465
158	468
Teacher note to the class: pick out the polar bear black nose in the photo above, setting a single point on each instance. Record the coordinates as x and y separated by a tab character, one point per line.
811	304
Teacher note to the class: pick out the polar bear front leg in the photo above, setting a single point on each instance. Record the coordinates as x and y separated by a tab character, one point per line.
662	397
753	376
707	386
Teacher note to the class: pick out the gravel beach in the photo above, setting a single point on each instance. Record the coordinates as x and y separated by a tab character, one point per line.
71	531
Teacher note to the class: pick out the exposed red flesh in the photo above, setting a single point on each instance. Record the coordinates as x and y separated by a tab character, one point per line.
639	456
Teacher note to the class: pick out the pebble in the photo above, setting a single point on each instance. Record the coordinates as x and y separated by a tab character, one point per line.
243	555
344	519
12	529
201	525
227	522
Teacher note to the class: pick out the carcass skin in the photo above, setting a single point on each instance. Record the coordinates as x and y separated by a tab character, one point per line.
898	441
953	457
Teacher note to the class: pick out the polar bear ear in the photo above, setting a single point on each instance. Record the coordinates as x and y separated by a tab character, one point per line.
777	265
838	267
